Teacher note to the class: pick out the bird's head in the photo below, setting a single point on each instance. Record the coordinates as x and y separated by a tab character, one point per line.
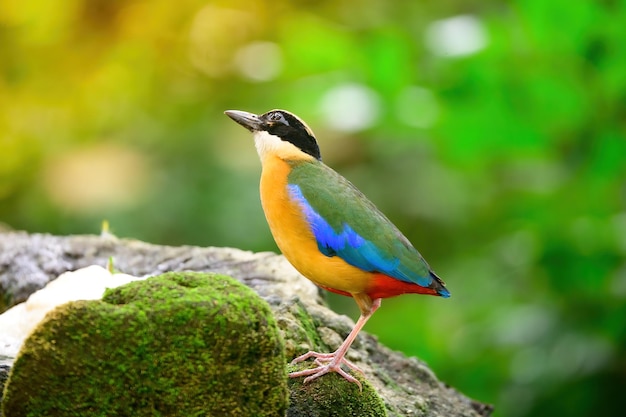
280	133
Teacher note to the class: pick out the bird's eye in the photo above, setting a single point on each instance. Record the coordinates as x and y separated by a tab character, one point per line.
278	117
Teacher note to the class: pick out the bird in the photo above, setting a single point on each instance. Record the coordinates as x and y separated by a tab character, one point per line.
329	231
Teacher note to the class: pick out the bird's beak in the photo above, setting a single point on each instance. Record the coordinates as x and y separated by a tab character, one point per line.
248	120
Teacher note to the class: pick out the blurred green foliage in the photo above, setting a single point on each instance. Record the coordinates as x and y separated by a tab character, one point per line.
493	134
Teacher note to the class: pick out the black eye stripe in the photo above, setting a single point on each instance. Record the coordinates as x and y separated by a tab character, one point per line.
291	129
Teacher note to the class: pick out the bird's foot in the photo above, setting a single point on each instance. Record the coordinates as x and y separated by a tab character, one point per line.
327	362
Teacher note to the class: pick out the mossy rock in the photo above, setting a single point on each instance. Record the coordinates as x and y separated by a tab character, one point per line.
184	344
332	396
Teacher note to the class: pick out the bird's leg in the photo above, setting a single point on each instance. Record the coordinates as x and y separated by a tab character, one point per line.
331	362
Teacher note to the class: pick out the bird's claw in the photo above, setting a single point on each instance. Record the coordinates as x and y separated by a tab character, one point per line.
327	362
323	359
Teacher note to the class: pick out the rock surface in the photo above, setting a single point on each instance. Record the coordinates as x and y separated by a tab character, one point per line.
407	386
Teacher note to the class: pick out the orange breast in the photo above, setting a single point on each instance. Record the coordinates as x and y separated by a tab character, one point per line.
295	239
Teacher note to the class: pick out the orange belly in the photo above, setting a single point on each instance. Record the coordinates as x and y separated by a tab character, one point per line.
296	240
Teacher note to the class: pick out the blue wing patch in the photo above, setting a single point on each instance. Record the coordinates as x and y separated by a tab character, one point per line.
352	247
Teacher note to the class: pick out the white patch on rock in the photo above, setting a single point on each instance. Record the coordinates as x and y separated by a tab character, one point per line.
88	283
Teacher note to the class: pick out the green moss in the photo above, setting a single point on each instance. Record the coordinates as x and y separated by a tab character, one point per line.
308	325
185	344
6	300
306	337
332	396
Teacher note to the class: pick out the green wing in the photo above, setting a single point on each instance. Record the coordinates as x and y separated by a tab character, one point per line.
346	224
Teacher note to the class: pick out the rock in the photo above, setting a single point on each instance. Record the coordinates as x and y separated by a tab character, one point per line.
28	262
406	385
4	376
177	344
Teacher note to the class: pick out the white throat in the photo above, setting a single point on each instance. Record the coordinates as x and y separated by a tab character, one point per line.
271	145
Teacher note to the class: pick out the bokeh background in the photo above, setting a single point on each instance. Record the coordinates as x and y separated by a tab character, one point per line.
492	133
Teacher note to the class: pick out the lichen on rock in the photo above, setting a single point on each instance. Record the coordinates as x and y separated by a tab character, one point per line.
185	343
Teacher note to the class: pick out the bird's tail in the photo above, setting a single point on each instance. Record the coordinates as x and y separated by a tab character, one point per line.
439	286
